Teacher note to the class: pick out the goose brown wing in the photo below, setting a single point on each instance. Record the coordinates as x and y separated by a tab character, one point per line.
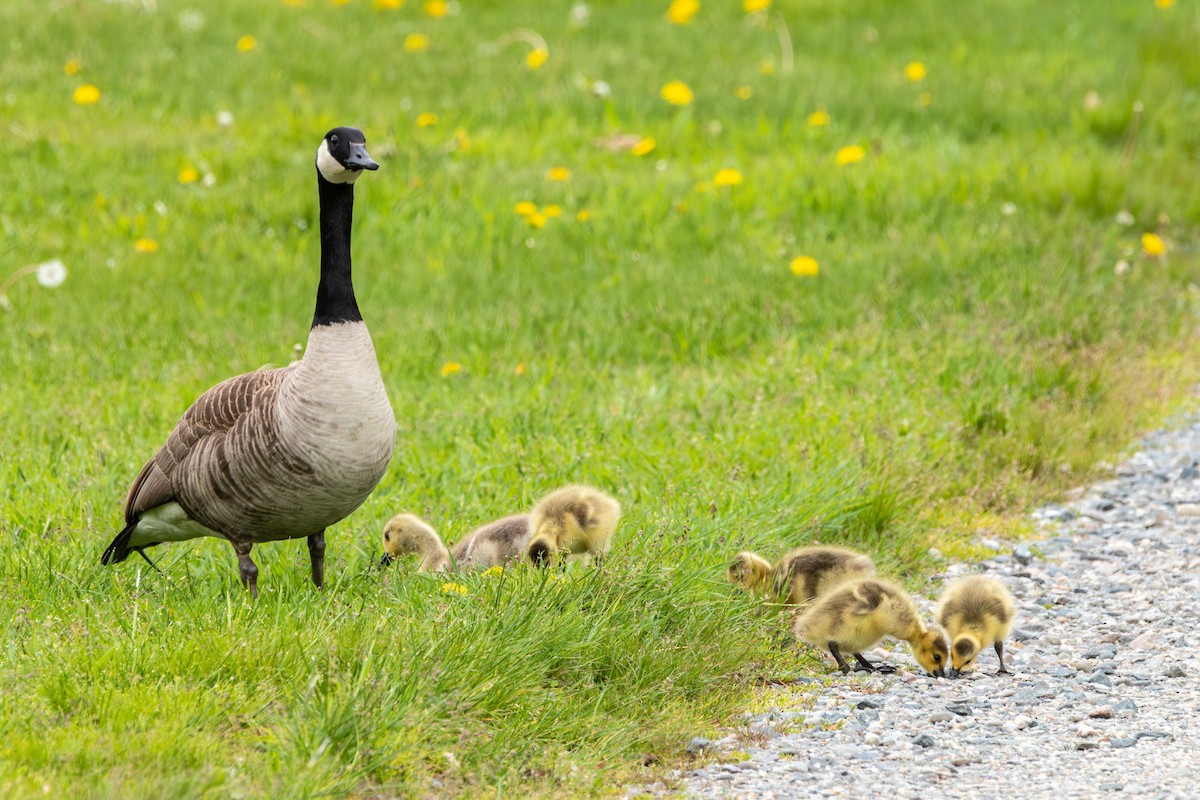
213	414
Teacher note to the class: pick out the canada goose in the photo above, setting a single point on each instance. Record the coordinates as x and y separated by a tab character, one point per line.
279	453
574	520
975	611
408	533
802	574
858	614
495	544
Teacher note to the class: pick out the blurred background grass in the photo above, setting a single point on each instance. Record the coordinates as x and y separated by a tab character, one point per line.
985	328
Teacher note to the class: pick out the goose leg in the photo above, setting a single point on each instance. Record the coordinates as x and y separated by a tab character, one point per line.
316	554
837	656
248	569
1000	655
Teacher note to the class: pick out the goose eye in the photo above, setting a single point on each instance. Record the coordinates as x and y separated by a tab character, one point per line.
333	140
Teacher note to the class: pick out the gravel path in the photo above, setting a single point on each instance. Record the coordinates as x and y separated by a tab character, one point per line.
1105	699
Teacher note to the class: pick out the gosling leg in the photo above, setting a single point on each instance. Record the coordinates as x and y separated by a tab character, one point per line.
1000	655
247	568
316	554
863	664
837	656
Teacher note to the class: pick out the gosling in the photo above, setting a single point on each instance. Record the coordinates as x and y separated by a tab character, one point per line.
803	574
406	534
858	614
975	611
496	544
572	522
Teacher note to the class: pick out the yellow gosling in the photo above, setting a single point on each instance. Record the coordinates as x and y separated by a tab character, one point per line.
807	573
495	544
406	534
570	522
976	612
751	572
856	615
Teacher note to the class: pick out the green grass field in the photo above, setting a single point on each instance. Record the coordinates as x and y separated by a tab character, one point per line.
985	328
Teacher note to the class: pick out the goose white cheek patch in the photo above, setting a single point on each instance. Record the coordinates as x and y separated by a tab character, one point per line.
330	169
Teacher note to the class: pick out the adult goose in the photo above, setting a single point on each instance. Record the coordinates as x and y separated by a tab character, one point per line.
279	453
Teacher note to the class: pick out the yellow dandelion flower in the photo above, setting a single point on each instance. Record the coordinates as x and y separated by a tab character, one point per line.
767	67
436	8
644	147
189	175
552	211
743	93
536	58
682	11
525	208
520	369
805	267
677	93
915	71
462	142
295	3
416	42
536	219
246	44
924	99
451	368
850	154
72	66
450	587
1153	245
819	118
342	2
86	95
1164	3
146	246
492	571
583	216
427	119
727	177
558	174
387	5
754	6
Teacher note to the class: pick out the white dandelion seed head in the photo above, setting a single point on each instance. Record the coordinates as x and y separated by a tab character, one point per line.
1122	267
601	89
661	165
111	263
1124	218
406	104
224	118
208	180
52	273
160	207
1008	209
191	20
580	14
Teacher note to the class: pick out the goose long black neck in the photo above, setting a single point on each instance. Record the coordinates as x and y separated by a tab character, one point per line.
335	292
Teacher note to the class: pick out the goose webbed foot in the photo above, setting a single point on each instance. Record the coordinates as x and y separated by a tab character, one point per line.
247	568
316	554
867	666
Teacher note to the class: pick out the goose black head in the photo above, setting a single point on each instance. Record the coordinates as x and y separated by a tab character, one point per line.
342	156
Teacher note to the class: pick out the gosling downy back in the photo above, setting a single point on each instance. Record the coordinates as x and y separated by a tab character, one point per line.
280	453
806	573
406	534
976	611
495	544
572	521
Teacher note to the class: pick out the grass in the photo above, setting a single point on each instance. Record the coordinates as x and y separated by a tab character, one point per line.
970	347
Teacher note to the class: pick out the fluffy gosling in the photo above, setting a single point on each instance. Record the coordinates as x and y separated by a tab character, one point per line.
572	521
495	544
407	533
858	614
975	611
803	574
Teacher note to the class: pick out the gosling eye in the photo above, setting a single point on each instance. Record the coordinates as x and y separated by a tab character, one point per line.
387	536
937	658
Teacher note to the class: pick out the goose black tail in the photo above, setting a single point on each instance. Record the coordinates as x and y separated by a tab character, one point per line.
119	549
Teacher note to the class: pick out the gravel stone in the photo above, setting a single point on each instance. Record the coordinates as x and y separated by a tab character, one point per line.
1106	618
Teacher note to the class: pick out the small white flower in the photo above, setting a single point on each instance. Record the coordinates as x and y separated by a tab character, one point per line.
208	180
1008	209
601	89
160	207
191	20
52	273
1124	218
1122	267
580	14
224	118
